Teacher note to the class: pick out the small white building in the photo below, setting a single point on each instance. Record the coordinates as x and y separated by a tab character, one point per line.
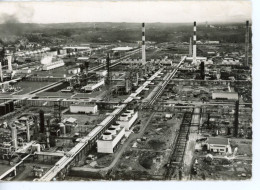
218	144
83	108
225	95
92	86
110	139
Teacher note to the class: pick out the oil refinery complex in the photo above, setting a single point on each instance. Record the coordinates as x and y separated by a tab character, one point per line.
135	111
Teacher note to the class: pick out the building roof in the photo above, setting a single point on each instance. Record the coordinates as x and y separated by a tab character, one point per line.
122	48
233	95
70	120
222	141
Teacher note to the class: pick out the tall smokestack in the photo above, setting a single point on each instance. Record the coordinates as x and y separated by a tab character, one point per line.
108	69
14	137
247	43
190	47
1	73
194	43
143	45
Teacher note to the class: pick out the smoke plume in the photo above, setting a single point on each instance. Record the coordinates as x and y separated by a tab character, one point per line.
11	24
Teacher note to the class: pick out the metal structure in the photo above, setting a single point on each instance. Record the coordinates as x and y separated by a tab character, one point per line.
174	167
236	122
57	111
108	69
148	102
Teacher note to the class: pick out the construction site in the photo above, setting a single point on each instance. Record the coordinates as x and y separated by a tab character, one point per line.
126	111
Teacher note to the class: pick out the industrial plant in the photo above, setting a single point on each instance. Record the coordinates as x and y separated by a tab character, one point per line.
139	109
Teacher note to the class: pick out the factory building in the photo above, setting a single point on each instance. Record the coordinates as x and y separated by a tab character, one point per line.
225	95
114	134
53	65
93	86
83	108
127	119
110	139
218	144
74	70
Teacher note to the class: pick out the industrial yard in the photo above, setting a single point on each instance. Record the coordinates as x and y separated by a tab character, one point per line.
144	107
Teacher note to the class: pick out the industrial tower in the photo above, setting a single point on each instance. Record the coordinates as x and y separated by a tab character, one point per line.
143	45
194	43
247	43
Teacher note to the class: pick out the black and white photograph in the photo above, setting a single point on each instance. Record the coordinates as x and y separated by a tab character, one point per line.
126	91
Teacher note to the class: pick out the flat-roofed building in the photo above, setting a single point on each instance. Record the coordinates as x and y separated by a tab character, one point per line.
83	108
110	139
225	95
127	119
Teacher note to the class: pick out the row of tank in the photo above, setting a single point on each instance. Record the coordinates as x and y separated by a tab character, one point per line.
6	107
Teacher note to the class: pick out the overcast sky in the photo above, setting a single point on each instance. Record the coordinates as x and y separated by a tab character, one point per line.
179	11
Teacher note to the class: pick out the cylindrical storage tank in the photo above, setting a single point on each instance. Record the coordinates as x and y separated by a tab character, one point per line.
62	128
128	113
7	108
131	111
116	126
11	104
111	130
124	117
2	110
107	136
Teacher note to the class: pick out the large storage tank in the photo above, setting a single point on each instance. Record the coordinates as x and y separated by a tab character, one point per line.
7	108
11	104
2	110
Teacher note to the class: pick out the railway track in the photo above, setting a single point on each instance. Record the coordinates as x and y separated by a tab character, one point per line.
176	159
150	101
